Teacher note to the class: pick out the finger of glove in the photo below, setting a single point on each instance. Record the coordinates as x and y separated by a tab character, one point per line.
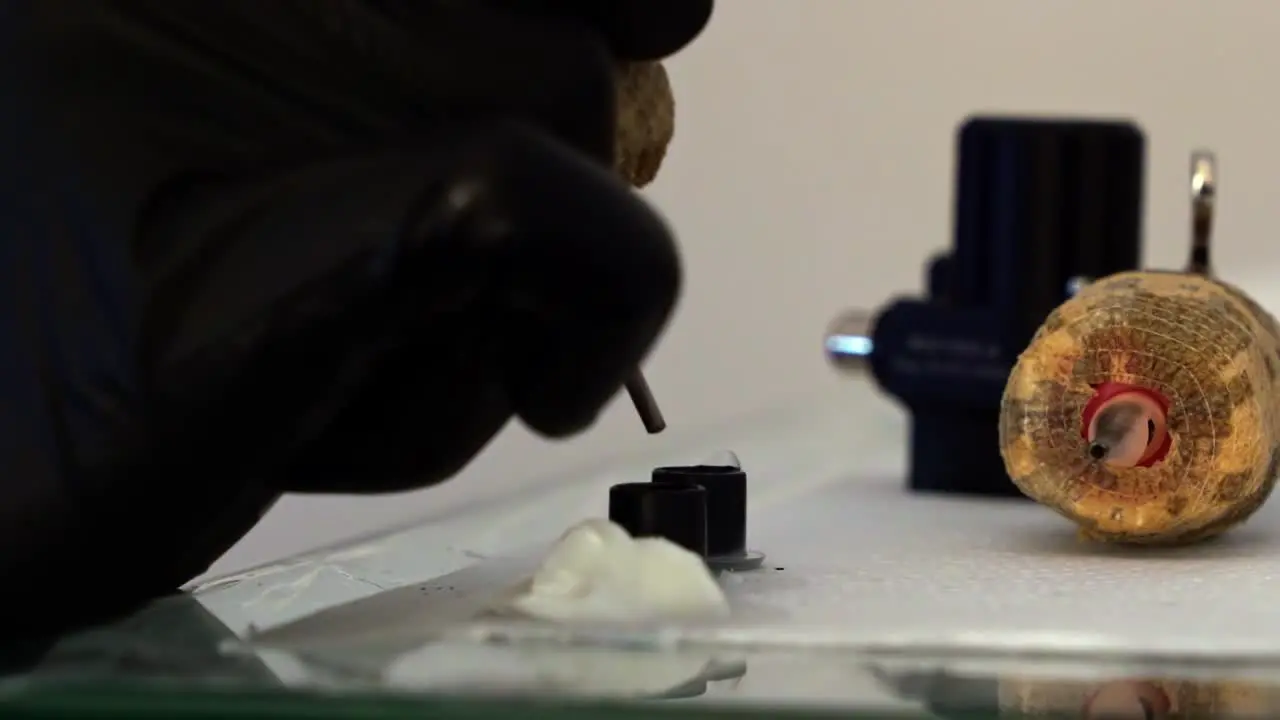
541	278
302	77
450	58
634	29
592	277
580	276
574	277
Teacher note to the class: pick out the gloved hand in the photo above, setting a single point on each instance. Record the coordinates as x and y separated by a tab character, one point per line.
254	247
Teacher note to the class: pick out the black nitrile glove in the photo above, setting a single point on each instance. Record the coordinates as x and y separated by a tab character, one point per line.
257	246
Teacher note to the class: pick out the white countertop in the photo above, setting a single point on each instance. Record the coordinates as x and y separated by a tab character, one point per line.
864	561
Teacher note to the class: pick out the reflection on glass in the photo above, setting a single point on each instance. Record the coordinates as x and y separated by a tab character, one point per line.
1152	698
1136	697
566	669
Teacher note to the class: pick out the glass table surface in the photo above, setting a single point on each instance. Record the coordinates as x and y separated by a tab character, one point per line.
871	603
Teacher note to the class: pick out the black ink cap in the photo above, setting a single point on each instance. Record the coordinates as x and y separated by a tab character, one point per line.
726	497
726	489
675	511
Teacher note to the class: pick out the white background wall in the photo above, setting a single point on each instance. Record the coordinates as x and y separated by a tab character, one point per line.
812	171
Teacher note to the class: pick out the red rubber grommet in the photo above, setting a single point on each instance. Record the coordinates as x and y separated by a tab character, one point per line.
1108	390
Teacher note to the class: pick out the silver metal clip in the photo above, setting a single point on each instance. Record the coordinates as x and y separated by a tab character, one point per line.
848	342
1204	194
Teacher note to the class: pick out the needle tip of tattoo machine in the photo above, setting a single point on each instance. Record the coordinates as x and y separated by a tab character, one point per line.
646	405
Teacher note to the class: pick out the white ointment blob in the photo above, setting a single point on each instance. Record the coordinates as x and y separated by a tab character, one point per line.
597	572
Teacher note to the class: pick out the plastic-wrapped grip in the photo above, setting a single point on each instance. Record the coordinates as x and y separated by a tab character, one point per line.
1207	348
